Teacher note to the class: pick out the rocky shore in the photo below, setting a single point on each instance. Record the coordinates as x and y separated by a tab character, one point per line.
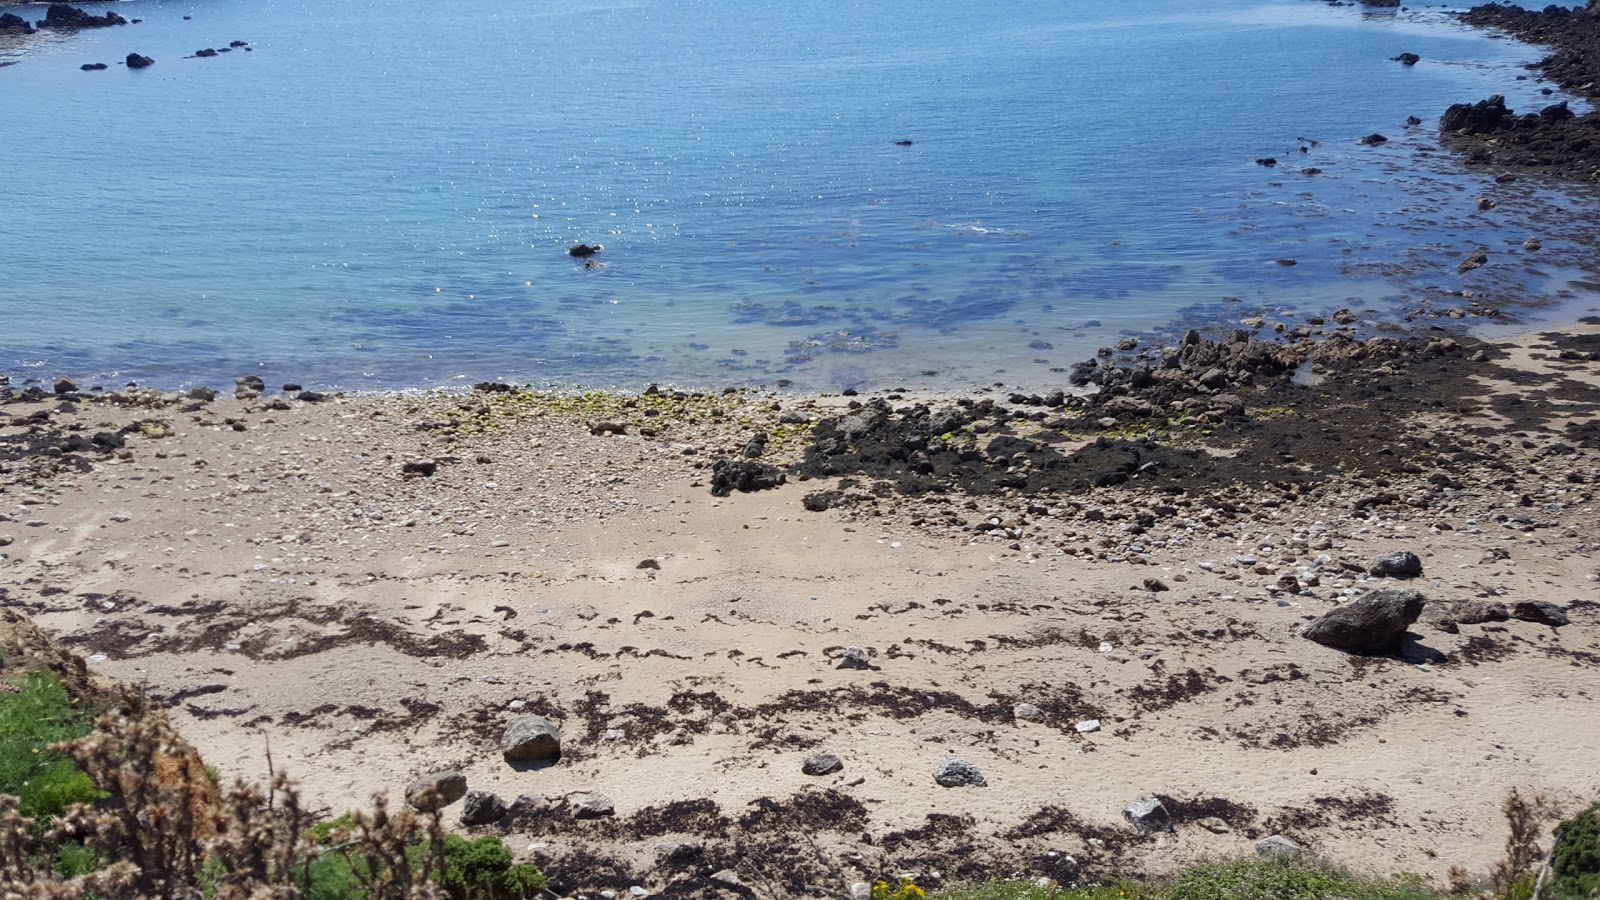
1258	585
1552	140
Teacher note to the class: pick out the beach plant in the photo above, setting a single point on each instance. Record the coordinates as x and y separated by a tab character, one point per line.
36	715
1575	863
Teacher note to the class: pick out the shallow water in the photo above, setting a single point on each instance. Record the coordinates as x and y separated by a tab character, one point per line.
380	195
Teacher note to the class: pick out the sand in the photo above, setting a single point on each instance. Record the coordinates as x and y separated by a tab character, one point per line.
288	586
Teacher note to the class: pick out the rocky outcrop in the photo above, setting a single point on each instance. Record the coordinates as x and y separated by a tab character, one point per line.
135	61
60	15
11	24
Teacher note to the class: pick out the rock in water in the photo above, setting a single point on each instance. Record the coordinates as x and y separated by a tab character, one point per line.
583	251
135	61
1409	59
436	791
1374	139
1148	815
1374	624
1475	260
957	772
822	764
1399	564
1484	117
482	808
530	738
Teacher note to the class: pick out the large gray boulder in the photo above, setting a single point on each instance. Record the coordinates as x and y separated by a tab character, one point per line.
436	791
1376	623
529	739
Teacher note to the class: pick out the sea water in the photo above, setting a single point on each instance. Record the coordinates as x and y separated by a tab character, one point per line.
821	194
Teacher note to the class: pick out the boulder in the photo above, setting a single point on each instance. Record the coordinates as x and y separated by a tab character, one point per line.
1148	816
436	791
822	764
1376	623
957	772
1399	564
582	251
1484	117
482	808
1475	260
65	386
14	24
1409	59
593	806
94	67
60	15
1027	712
1374	139
529	739
1541	612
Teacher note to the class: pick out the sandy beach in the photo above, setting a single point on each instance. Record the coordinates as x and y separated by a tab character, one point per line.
374	586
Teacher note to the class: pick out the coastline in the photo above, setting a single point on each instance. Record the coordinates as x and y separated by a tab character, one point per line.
377	583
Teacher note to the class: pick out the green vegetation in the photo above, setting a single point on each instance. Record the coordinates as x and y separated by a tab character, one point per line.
483	870
1282	878
1575	867
38	714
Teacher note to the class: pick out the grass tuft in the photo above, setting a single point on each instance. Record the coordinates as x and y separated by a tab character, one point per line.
1246	879
40	713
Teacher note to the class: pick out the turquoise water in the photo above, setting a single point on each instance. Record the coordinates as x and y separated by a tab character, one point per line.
380	195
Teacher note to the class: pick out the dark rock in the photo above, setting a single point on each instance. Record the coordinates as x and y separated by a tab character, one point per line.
10	24
1148	816
1399	564
202	393
419	467
436	791
957	772
310	397
728	475
1484	117
582	251
1477	612
65	386
1267	161
1374	139
1541	612
482	808
493	387
94	67
648	564
528	808
1474	261
1376	623
1155	585
822	764
529	739
60	15
237	44
206	53
1409	59
903	143
601	428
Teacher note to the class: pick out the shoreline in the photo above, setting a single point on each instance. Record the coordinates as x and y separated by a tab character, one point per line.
1141	557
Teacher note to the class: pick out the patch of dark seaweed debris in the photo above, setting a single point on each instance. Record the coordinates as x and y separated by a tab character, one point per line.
824	810
1241	817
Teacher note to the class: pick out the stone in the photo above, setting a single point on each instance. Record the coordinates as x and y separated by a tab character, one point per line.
529	739
649	564
93	67
65	386
1485	204
482	808
1155	585
1374	139
1376	623
528	807
1474	260
1027	712
593	806
745	476
1088	726
1278	845
10	24
957	772
1541	612
1409	59
202	393
728	877
436	791
852	658
1477	612
1214	825
1439	619
1148	816
60	15
1399	564
135	61
822	764
1532	244
679	851
583	251
419	468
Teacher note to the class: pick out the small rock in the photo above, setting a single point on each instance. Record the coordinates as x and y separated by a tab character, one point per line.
731	878
65	386
1475	260
1477	612
1214	825
482	808
648	564
1088	726
593	806
1027	712
822	764
419	468
135	61
1409	59
852	658
582	251
1532	244
1541	612
1374	139
529	738
1148	816
1155	585
528	807
957	772
1485	204
1399	564
678	851
436	791
1278	845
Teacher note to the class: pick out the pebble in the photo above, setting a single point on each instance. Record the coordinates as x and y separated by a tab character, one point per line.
1088	726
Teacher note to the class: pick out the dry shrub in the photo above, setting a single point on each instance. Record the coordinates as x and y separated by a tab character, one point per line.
166	830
